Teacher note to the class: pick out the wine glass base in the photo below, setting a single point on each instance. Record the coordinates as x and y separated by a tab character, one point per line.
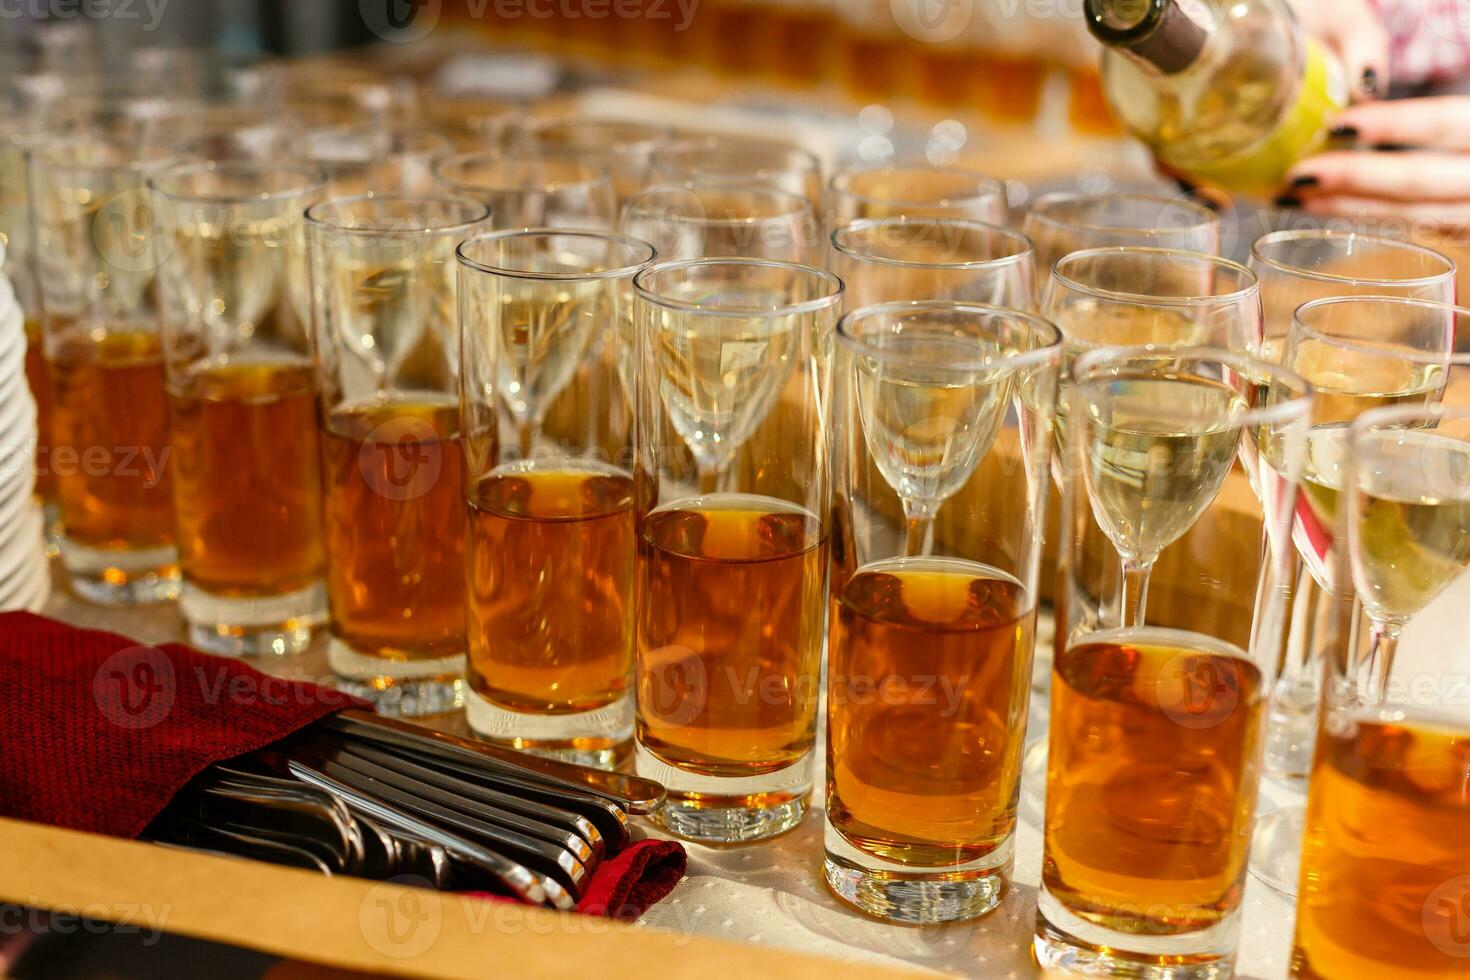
601	738
1276	848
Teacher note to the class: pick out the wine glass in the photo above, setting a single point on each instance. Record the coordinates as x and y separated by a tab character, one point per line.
373	159
1062	223
714	158
1294	267
708	220
527	190
913	191
625	149
1359	353
1382	884
898	259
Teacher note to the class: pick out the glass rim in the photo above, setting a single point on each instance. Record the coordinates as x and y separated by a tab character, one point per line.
1297	406
863	224
1050	350
592	173
619	272
429	139
1327	234
802	208
1252	283
1361	346
710	142
314	215
648	134
985	184
1037	210
833	297
134	156
314	176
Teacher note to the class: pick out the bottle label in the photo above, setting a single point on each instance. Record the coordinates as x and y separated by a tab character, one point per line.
1301	131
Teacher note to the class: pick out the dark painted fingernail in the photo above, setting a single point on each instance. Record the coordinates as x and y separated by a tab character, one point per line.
1343	132
1392	147
1370	81
1288	201
1306	180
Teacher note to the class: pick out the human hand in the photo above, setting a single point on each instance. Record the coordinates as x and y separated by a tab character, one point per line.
1351	30
1415	164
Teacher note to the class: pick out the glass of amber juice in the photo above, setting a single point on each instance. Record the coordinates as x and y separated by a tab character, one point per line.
732	486
386	337
547	423
942	414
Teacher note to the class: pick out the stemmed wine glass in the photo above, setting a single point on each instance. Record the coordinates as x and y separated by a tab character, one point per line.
1063	223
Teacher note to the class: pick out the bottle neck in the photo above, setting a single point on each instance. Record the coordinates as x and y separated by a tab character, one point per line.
1168	35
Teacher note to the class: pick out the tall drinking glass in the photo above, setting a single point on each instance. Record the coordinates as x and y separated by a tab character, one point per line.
732	159
530	191
1155	732
887	260
242	402
913	191
387	351
1359	353
944	409
732	487
1296	266
548	431
702	220
1063	223
625	149
373	159
97	255
1384	884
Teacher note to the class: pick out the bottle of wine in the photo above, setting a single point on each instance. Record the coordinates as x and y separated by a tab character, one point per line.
1228	92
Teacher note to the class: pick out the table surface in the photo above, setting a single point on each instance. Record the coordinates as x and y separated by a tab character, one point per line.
772	893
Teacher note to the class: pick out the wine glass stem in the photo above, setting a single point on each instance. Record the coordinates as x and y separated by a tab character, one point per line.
1135	591
709	479
919	522
1383	646
526	430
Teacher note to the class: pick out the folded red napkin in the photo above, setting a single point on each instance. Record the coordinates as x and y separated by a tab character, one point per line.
100	732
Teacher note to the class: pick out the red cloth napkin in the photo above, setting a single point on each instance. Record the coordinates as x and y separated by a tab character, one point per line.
98	733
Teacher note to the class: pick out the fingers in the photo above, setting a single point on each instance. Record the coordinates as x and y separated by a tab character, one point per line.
1453	216
1361	44
1398	177
1442	122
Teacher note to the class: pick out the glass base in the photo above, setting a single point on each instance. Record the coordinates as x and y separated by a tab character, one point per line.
121	578
1291	737
265	625
728	810
601	738
402	688
1276	848
1072	946
916	897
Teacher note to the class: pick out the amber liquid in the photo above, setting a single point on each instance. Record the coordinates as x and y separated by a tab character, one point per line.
729	633
395	528
247	467
1385	888
1151	780
550	592
40	382
929	675
110	441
